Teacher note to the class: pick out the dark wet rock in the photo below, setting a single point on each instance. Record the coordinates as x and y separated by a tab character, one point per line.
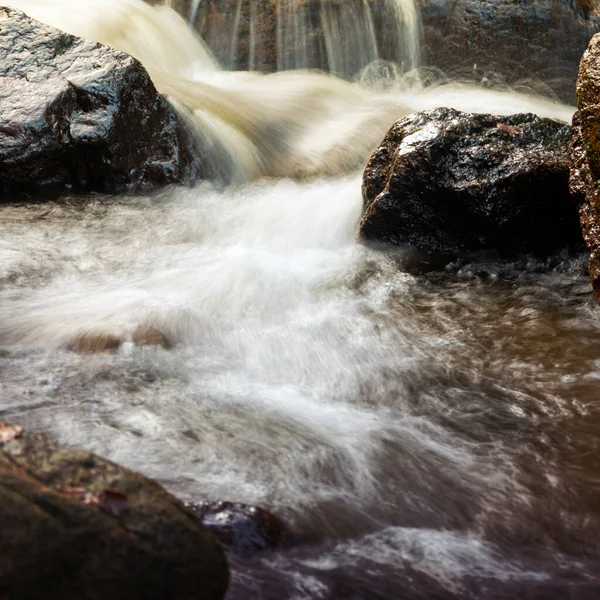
73	112
445	182
243	528
585	156
508	41
76	526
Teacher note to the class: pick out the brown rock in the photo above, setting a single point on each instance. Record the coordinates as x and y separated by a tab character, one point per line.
92	342
533	44
74	525
585	156
146	335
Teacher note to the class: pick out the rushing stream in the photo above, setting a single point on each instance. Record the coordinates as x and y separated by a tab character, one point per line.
426	436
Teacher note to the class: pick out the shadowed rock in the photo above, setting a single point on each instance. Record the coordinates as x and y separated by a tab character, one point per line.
76	526
585	156
243	528
73	112
507	42
447	182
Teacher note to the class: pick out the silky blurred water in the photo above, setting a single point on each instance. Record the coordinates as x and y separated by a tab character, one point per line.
426	436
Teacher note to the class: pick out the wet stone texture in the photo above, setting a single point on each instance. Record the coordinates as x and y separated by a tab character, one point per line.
243	528
510	42
77	113
449	183
585	156
74	525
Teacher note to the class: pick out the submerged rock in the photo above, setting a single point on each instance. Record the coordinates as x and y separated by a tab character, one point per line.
146	335
77	113
76	526
447	182
243	528
508	42
93	342
585	156
97	341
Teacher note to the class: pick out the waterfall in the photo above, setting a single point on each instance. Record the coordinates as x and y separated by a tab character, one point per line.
339	36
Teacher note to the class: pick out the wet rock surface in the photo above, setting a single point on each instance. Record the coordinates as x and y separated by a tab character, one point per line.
77	526
81	114
445	182
243	528
585	156
510	42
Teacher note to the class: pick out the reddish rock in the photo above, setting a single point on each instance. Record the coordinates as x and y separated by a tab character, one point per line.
146	335
585	156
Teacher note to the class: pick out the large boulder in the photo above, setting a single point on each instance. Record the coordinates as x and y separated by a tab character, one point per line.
76	526
585	155
446	182
510	41
77	113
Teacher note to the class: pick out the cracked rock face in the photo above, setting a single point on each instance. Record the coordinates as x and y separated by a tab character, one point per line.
449	183
585	156
74	112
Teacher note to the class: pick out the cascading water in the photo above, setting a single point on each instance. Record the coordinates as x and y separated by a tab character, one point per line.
338	36
432	438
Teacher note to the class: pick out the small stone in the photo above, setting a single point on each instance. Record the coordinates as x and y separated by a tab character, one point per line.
93	342
244	528
150	336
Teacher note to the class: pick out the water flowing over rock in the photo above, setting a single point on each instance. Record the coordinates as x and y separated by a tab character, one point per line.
338	36
243	528
447	182
78	113
77	526
507	42
585	155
